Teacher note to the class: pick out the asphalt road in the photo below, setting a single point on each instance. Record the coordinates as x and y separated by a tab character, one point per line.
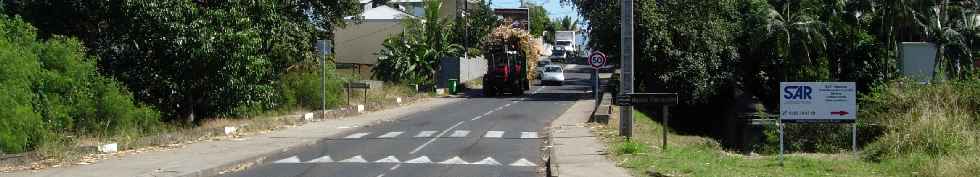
477	137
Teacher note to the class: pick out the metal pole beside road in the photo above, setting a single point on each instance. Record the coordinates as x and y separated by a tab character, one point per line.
626	112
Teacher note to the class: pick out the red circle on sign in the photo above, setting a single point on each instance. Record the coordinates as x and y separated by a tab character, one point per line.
597	59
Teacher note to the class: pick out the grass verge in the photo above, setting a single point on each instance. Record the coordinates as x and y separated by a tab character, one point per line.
701	156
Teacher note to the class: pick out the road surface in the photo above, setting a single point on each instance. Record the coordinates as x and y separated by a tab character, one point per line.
477	137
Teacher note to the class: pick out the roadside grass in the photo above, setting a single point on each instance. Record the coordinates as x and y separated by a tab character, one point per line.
69	149
701	156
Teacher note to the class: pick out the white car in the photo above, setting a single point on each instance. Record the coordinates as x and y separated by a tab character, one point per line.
553	74
540	68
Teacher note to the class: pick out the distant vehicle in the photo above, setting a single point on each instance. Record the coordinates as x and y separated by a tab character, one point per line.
553	75
565	40
558	56
541	65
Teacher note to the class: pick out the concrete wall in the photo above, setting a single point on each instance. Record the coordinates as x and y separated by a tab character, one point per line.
358	43
464	69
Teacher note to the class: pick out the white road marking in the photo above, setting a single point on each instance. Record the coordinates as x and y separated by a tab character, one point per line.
523	163
529	135
395	167
515	101
355	159
417	149
389	159
324	159
390	135
292	159
381	175
487	161
356	135
423	159
477	118
487	113
494	134
508	104
460	133
454	160
425	134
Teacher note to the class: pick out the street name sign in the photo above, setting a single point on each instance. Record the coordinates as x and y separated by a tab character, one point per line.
817	102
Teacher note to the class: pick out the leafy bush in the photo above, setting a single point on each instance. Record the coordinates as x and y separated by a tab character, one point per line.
302	89
631	147
935	120
52	87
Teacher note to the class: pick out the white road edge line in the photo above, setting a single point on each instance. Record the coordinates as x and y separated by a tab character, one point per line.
417	149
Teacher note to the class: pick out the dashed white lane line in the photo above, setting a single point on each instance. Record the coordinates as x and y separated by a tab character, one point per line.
426	134
477	118
460	133
494	134
529	135
395	167
436	138
356	135
390	135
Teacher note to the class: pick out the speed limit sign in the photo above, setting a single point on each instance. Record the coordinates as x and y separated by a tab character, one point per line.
597	59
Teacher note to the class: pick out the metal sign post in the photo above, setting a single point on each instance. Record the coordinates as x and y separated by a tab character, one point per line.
662	99
597	59
817	102
626	85
324	47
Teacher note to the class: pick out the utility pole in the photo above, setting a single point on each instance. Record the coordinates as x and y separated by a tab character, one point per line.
626	72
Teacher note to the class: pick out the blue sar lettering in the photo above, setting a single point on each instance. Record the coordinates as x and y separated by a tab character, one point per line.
798	92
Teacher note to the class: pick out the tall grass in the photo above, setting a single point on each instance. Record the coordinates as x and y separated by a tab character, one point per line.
938	122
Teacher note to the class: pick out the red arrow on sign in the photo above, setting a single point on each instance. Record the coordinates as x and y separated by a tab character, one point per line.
840	113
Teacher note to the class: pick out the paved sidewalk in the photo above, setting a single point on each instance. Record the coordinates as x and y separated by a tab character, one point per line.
577	152
210	158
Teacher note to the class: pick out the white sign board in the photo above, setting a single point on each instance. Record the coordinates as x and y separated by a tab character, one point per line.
817	102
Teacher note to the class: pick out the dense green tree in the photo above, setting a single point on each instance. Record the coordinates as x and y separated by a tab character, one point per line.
52	86
474	27
539	19
195	58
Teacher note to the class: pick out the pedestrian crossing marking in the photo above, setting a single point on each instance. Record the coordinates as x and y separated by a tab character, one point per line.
453	134
324	159
529	135
355	159
454	160
356	135
390	135
522	163
423	159
292	159
487	161
425	134
494	134
460	133
389	159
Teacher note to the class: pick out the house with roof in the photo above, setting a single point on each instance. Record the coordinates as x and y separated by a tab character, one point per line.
356	45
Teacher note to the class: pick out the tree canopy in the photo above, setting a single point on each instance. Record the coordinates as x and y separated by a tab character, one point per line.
194	58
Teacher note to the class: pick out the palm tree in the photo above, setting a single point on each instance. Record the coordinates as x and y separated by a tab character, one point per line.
798	33
414	55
